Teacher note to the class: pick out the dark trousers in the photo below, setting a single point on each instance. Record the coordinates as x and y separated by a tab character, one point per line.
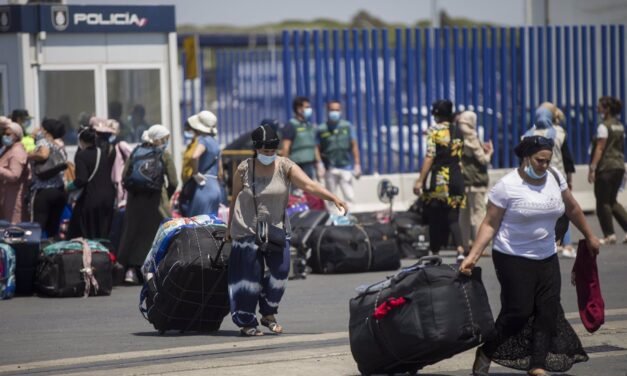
251	284
48	205
606	185
528	288
443	221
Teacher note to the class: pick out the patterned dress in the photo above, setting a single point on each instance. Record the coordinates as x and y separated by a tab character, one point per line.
446	183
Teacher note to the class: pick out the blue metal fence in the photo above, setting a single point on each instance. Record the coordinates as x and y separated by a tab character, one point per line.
387	84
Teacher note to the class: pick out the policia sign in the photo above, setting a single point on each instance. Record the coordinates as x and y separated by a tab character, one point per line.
87	19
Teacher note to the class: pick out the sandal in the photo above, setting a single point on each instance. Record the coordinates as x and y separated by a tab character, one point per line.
251	332
271	324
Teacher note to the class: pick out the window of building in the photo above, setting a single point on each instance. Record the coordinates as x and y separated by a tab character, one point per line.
69	96
134	99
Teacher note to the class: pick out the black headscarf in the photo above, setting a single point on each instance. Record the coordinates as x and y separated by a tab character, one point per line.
265	137
533	144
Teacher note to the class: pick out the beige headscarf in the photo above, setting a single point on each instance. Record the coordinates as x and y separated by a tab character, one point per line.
17	130
155	133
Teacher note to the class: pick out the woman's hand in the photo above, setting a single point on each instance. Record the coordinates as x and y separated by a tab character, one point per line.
591	176
467	265
418	187
593	244
341	205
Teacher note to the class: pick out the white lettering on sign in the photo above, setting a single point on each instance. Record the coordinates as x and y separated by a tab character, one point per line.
118	19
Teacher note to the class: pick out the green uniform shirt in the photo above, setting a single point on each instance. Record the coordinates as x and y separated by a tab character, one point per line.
304	144
335	145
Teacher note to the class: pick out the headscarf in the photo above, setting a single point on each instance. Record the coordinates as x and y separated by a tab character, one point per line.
155	133
102	125
265	137
469	118
543	121
16	129
533	144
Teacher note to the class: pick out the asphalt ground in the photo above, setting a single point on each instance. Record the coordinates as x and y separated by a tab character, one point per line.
107	335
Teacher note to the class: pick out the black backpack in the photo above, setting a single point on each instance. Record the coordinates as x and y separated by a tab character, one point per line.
146	170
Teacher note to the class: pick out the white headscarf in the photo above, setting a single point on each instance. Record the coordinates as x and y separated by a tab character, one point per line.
155	133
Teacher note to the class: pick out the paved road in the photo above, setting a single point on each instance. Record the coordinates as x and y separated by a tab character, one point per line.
107	335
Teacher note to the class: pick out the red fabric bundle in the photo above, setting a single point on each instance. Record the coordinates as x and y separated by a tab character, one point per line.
589	298
384	308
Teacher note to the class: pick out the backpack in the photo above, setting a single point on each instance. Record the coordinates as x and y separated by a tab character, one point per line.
146	170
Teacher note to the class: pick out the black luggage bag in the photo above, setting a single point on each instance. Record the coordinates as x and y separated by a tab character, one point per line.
420	316
189	290
412	235
60	275
340	249
303	224
25	238
385	254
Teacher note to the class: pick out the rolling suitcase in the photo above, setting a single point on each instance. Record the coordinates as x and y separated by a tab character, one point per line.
420	316
385	254
340	249
7	271
25	239
189	289
74	269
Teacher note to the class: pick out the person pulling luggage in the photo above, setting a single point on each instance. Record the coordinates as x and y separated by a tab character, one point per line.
522	210
260	231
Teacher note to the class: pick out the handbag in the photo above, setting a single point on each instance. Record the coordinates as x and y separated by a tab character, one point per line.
74	195
55	163
269	238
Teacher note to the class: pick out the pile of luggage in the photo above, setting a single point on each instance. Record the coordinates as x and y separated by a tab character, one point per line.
63	269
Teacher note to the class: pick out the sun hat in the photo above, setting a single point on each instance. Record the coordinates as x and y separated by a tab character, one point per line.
204	122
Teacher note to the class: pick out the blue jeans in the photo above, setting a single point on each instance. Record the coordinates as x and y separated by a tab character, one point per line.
250	284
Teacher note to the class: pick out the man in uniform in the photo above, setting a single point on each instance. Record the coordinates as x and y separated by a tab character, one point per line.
339	151
299	138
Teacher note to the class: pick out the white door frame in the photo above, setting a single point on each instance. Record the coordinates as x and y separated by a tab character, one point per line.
5	88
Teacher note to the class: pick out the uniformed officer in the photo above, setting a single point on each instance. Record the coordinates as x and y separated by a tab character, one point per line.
299	138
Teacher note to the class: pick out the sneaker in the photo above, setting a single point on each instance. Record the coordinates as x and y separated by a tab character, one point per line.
610	239
460	257
131	277
569	252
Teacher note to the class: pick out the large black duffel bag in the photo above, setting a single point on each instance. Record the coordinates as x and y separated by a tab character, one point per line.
420	316
412	235
340	249
189	289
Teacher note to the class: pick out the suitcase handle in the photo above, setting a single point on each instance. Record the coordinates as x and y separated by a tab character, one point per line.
15	234
433	260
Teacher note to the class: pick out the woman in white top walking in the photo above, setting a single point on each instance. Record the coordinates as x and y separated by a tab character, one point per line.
522	210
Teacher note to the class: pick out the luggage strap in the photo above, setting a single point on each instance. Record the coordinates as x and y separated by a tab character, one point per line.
88	270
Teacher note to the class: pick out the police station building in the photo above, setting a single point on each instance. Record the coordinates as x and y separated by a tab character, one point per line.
70	62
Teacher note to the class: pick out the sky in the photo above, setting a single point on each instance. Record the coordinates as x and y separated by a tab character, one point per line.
255	12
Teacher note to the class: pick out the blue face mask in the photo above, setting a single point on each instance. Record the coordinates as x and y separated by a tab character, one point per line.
307	112
532	174
266	159
112	138
335	116
164	146
188	134
7	140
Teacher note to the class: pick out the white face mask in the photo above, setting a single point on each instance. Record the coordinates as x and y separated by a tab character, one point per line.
266	159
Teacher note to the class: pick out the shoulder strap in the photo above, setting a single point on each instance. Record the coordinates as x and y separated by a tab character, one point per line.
93	173
555	175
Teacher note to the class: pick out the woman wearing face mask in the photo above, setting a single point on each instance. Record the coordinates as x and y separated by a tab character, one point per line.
206	166
108	131
522	210
145	209
93	211
13	173
47	199
260	191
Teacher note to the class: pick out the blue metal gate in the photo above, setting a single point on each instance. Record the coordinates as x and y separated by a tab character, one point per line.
386	82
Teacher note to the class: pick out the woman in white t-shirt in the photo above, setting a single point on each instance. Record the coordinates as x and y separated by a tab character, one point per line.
522	210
